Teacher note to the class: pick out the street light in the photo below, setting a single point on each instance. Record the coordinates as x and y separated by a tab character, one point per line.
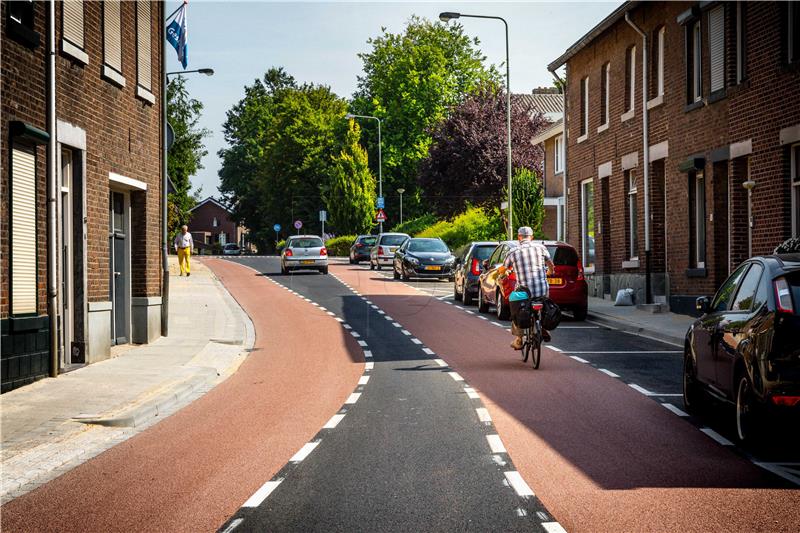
447	16
350	116
401	191
206	71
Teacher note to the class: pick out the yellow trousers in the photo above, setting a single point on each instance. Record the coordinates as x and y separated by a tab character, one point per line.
183	259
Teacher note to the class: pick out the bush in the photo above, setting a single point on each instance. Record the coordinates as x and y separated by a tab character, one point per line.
280	245
790	246
415	225
475	224
340	246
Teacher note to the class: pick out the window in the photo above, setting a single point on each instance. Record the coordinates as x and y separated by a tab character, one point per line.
694	63
112	36
716	47
214	223
23	231
746	296
605	71
795	173
657	63
724	294
72	22
633	215
740	42
558	160
20	22
584	106
698	204
793	34
144	76
587	223
630	78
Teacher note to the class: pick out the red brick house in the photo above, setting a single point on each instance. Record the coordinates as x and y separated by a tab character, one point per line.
211	224
81	191
713	141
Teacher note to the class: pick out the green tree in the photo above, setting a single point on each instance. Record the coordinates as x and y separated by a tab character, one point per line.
528	200
350	194
187	151
410	81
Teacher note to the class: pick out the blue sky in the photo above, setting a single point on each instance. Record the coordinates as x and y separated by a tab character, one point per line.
319	42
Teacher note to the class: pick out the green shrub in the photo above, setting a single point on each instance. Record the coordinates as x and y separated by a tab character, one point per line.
280	245
415	225
340	246
474	224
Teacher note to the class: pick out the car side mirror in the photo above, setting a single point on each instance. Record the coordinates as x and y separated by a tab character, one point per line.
702	304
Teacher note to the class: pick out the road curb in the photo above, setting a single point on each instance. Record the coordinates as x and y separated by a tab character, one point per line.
629	327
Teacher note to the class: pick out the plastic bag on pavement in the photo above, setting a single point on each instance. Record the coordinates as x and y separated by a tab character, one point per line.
624	297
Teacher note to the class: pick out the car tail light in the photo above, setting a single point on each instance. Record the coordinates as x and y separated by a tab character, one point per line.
289	252
580	272
786	401
783	296
380	250
323	251
475	268
359	245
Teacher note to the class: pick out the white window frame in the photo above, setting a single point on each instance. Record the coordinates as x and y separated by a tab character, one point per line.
558	159
700	219
716	54
585	118
588	267
697	62
660	43
607	114
215	223
794	156
633	215
632	82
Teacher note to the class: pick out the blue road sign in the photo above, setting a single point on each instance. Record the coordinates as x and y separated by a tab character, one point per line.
380	204
276	227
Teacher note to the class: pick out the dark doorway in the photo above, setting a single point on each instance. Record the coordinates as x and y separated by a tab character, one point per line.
119	268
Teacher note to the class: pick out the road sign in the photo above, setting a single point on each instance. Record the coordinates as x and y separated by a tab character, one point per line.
381	216
276	227
380	204
298	224
323	216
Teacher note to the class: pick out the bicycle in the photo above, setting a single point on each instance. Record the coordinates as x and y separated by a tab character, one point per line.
532	338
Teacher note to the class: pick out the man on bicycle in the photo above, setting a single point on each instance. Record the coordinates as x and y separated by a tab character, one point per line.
531	262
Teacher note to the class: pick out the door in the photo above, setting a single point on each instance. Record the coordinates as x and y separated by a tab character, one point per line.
119	268
67	291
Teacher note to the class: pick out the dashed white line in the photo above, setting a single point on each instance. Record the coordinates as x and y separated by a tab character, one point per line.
555	349
483	414
416	340
716	436
363	380
381	312
333	422
553	527
304	452
396	324
468	312
440	362
518	484
483	317
353	398
233	525
405	332
627	351
428	351
347	326
456	376
374	306
368	355
387	317
447	302
497	323
579	359
674	409
331	313
496	444
369	365
261	494
355	334
608	372
362	343
472	393
340	319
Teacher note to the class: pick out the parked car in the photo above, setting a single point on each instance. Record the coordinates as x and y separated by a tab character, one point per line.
423	258
745	348
361	247
568	286
231	249
382	252
304	252
468	268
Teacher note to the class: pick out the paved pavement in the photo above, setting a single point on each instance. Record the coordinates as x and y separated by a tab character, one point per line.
666	326
45	429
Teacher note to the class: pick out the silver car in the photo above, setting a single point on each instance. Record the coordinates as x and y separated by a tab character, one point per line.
304	252
382	253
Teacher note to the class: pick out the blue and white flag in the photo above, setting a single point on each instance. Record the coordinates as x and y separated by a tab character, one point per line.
176	35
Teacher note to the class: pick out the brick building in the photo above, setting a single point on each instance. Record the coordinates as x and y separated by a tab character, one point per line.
713	140
211	224
94	165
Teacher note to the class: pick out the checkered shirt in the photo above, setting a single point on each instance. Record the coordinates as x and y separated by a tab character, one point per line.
529	261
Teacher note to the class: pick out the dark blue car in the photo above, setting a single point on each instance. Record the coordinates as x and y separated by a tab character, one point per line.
468	267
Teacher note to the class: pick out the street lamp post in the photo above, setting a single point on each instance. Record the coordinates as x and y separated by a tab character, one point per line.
447	16
380	170
164	189
401	191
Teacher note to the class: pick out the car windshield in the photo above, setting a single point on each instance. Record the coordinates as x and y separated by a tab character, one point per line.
393	240
309	242
427	246
230	246
368	241
483	252
563	256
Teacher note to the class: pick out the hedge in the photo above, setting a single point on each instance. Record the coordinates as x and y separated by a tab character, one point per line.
475	224
415	225
340	246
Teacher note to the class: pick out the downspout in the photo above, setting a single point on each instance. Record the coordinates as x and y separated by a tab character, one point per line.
52	191
164	184
563	84
646	150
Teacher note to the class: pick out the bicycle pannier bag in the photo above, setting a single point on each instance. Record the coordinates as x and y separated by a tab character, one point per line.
551	314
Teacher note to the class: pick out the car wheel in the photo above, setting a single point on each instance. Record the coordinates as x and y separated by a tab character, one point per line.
579	313
371	266
377	266
283	270
692	395
395	274
467	297
746	410
483	307
323	270
352	261
457	296
404	275
503	311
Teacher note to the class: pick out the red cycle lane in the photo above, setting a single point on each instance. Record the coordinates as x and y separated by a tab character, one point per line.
600	456
193	470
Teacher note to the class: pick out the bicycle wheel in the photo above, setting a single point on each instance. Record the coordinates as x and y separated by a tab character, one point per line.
526	346
536	343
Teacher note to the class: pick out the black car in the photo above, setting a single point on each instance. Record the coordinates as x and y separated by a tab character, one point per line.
468	268
359	250
423	258
745	348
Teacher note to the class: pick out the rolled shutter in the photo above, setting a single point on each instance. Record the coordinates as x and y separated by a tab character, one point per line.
143	51
112	35
23	231
72	20
716	47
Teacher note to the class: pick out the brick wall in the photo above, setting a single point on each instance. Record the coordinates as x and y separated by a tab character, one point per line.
203	217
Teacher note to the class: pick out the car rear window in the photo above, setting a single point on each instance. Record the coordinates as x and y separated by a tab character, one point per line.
311	242
393	240
563	256
483	252
369	241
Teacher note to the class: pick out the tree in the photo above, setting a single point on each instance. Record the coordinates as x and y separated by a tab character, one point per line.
468	161
185	155
410	81
527	200
350	194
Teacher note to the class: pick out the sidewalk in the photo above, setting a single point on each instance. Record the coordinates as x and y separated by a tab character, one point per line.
669	327
54	425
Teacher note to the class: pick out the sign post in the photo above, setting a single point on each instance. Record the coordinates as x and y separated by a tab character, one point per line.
380	204
277	228
297	225
381	217
323	216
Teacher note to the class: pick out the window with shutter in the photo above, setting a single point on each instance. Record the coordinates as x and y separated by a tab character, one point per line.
72	20
112	35
716	47
143	48
23	231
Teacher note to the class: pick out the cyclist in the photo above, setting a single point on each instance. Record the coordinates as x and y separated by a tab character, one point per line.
532	263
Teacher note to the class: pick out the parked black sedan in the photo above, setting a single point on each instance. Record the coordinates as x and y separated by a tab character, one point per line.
468	268
423	258
359	250
745	348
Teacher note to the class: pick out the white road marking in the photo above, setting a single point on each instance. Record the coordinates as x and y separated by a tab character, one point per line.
370	303
553	527
322	308
333	422
469	312
368	355
233	525
674	409
396	324
497	323
405	332
304	452
387	317
362	343
521	512
716	436
637	388
331	313
261	494
554	348
483	414
353	398
629	351
381	312
315	304
579	359
542	516
788	471
373	306
471	393
456	376
428	351
416	340
340	319
347	326
440	362
369	365
363	380
578	327
448	302
608	372
520	487
483	317
355	334
496	444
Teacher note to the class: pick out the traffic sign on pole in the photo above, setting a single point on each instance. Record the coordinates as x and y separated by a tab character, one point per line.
380	203
380	216
276	227
323	216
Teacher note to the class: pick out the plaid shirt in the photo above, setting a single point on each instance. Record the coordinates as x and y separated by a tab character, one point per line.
529	261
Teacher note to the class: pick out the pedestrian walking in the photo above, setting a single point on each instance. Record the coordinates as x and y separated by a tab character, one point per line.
183	245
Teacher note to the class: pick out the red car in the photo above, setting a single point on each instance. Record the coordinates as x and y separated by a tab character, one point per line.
568	287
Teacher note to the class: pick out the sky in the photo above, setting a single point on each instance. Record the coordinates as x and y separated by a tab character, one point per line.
319	42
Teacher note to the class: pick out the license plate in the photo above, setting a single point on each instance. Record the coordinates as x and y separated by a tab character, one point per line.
433	267
307	262
555	281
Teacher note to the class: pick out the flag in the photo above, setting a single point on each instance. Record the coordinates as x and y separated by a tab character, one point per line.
176	34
